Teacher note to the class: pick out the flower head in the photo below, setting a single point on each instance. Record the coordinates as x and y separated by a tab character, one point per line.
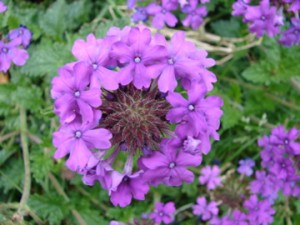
163	212
113	100
3	7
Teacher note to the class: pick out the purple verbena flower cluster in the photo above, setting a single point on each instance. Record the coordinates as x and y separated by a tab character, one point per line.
210	176
13	47
162	12
268	17
280	160
206	210
121	99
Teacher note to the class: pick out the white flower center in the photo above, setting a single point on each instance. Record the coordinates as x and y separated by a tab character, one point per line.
78	134
191	144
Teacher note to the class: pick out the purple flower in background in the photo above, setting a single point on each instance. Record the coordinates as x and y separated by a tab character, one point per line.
161	14
23	33
72	96
282	168
259	212
131	3
206	210
163	213
292	35
140	15
288	140
210	176
195	14
240	7
245	167
238	218
170	167
3	7
78	140
10	52
264	19
125	187
136	57
94	52
265	185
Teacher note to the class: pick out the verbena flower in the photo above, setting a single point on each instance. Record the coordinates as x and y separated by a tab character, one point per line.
204	209
23	33
161	14
3	7
112	102
195	14
163	213
246	167
210	176
259	211
268	17
10	52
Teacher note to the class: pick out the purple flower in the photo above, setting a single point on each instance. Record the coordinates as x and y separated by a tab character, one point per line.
163	213
263	19
206	210
205	112
265	185
137	56
131	3
73	97
238	218
287	140
191	141
245	167
23	33
140	15
292	35
125	187
240	7
10	52
78	140
94	52
195	14
3	7
210	176
259	212
170	166
282	168
177	64
161	14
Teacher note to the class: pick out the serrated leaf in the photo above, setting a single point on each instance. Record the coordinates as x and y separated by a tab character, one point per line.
41	165
51	208
46	58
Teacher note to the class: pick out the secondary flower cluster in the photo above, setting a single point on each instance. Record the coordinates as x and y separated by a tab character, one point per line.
268	17
162	12
12	47
125	120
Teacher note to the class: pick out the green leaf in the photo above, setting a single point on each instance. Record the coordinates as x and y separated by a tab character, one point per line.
51	208
232	27
46	58
41	165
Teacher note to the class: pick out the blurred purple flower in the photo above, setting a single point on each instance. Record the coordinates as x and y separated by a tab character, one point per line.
245	167
23	33
3	7
210	176
206	210
163	213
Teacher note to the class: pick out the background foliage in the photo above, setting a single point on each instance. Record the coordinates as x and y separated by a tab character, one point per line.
260	87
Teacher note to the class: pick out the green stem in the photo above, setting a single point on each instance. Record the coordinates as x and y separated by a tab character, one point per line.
27	175
183	208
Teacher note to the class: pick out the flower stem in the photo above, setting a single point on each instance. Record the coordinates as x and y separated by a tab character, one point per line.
27	176
183	208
